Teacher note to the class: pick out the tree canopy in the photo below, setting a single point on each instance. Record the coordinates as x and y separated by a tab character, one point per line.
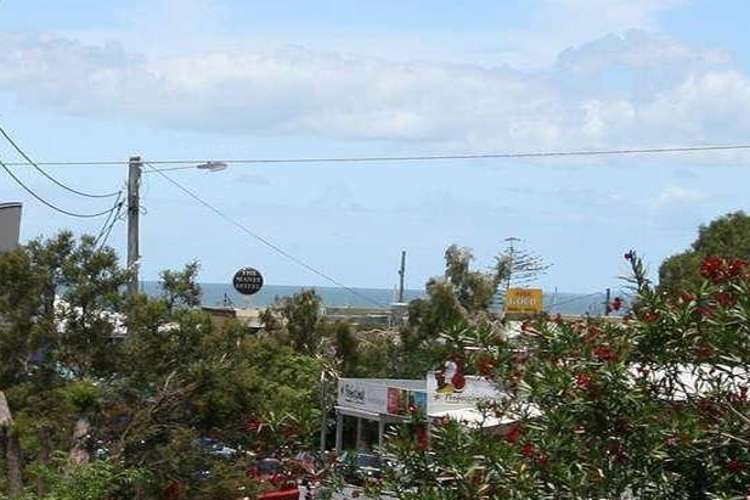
728	236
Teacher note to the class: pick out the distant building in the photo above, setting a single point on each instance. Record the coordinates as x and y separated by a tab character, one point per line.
251	318
10	225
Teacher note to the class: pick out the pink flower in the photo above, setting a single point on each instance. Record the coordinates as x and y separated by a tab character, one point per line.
605	353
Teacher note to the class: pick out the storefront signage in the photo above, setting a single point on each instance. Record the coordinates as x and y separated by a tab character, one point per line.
367	396
442	397
524	301
405	402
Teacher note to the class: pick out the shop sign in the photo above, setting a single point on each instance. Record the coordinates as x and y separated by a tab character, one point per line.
524	301
247	281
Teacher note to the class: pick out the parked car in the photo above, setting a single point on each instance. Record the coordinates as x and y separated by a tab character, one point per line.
360	468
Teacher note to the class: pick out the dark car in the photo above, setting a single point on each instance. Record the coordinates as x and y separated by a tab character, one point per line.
360	468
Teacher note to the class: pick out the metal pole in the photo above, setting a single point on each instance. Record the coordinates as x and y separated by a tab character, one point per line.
401	274
607	308
134	184
339	432
323	413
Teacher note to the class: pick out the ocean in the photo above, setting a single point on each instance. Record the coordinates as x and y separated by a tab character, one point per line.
213	294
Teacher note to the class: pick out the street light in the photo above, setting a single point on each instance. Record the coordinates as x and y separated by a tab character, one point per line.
212	166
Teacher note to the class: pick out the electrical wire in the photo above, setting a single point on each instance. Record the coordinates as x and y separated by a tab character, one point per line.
50	205
115	219
261	239
190	164
112	218
48	176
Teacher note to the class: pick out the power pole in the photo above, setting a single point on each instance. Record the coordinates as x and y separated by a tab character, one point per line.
134	212
607	308
401	274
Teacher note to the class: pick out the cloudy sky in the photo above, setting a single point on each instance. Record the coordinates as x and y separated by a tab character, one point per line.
183	79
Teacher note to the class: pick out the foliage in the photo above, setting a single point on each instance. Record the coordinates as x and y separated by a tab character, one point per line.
727	236
180	288
654	406
144	400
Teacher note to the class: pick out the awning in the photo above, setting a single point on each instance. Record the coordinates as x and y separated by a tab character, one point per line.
471	417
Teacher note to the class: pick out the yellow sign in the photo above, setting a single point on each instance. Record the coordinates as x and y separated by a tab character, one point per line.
524	300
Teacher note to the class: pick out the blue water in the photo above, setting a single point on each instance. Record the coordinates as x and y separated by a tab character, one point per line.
214	293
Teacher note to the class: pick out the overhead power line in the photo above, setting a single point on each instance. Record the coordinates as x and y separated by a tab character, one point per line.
260	238
51	205
190	163
48	176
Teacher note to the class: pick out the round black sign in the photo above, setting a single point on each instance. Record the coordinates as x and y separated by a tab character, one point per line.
247	281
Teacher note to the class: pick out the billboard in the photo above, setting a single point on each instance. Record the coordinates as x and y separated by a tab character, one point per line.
403	401
524	301
362	395
445	396
10	225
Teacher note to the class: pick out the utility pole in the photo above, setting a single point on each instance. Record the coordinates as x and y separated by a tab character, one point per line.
401	274
134	212
607	308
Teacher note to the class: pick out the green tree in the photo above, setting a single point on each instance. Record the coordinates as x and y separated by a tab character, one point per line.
655	406
90	402
180	288
728	236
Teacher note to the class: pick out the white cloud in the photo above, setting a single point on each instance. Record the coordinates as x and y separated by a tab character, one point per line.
677	195
632	89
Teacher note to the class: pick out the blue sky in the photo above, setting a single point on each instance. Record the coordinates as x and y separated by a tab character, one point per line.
169	79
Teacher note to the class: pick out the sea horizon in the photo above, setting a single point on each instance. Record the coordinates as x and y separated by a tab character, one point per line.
223	294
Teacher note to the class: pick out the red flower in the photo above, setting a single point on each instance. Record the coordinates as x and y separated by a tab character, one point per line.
593	332
704	352
650	316
741	395
441	421
253	425
616	450
605	353
583	381
514	433
736	267
458	380
686	297
725	299
485	365
734	466
528	450
420	434
705	312
290	431
712	269
617	304
542	459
